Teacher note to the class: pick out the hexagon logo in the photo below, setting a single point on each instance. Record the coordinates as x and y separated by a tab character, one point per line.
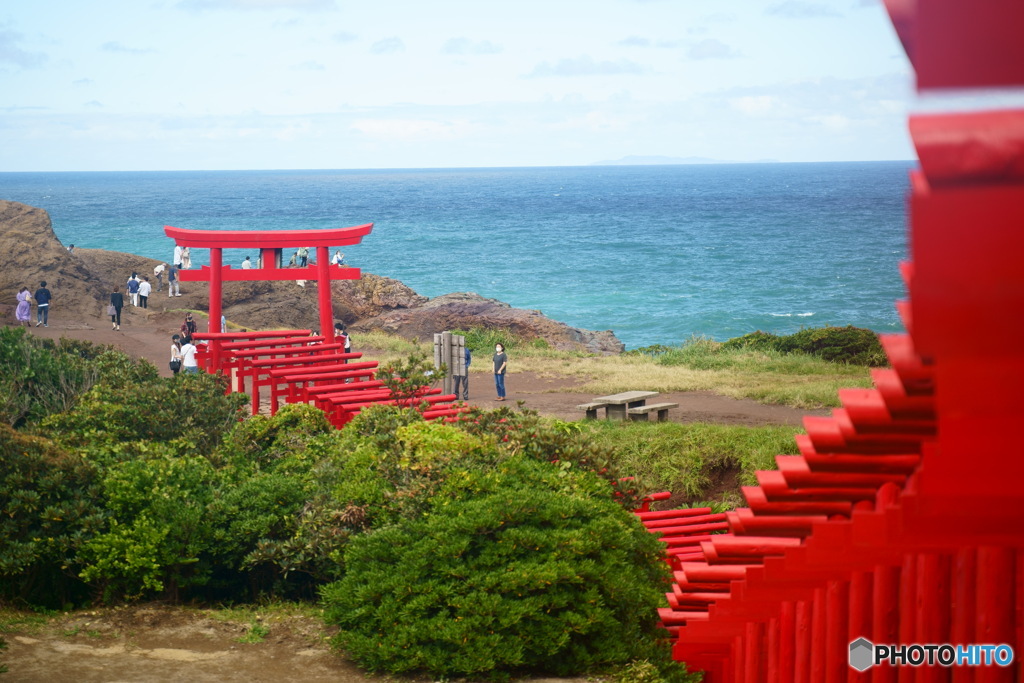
861	654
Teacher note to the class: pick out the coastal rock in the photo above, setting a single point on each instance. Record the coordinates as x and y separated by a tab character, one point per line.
465	310
82	281
30	252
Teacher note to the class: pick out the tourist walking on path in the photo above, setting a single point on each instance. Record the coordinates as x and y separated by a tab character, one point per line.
188	357
172	282
24	309
42	298
500	364
114	309
176	358
158	273
144	290
464	379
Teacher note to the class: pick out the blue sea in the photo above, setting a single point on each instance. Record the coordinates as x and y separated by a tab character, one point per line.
655	253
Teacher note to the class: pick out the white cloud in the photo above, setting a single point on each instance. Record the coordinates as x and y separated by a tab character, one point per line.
754	105
344	37
586	66
408	130
835	122
114	46
798	9
465	46
11	53
387	46
711	48
248	5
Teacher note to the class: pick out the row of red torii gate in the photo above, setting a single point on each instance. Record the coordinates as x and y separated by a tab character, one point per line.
293	366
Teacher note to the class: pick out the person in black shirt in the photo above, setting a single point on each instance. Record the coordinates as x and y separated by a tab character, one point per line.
42	298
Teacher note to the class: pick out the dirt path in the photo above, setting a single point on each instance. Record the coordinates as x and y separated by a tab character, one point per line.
158	643
147	334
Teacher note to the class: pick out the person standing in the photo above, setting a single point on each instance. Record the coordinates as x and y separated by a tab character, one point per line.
116	304
188	328
177	256
158	273
133	289
42	298
246	263
188	358
24	309
464	379
175	362
500	364
186	258
144	290
303	256
172	282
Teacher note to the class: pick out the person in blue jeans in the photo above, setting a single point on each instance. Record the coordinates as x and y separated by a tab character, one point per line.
42	298
500	364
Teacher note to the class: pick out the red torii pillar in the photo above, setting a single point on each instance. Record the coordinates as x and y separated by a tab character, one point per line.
271	244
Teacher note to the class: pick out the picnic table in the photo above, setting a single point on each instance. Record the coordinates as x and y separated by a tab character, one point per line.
616	405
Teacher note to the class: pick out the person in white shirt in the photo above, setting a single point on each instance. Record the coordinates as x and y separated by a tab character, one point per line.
158	273
246	264
177	257
188	358
144	289
338	259
186	258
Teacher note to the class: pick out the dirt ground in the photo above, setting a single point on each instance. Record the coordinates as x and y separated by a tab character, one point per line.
155	643
158	643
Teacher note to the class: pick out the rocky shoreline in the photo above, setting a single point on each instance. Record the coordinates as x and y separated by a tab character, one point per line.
30	252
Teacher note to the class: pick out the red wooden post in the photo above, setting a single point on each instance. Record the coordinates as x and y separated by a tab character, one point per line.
323	277
216	263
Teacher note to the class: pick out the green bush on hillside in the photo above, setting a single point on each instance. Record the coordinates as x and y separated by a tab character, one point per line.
49	508
524	566
482	340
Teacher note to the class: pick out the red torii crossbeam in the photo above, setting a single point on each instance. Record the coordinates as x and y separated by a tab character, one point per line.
271	245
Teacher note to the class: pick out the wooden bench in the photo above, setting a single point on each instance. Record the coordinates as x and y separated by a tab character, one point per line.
644	412
591	409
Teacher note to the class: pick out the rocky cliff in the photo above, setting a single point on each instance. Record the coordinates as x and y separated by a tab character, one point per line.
81	282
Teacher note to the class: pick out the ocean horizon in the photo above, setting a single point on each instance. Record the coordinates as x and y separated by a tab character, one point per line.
655	253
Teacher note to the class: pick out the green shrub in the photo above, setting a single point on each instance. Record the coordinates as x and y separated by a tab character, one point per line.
189	408
482	340
48	509
852	345
157	531
526	566
39	376
277	443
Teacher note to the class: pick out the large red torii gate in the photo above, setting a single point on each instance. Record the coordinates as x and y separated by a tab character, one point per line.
271	245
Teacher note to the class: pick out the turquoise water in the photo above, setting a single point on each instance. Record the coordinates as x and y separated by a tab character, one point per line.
655	253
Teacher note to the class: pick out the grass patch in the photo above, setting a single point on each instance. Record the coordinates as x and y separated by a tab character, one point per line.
688	459
798	380
23	621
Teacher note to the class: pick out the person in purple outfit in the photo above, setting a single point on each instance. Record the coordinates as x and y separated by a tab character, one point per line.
24	309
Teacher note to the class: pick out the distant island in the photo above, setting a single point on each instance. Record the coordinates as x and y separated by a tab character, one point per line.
636	160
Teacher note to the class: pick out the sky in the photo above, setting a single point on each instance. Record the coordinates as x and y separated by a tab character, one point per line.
125	85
